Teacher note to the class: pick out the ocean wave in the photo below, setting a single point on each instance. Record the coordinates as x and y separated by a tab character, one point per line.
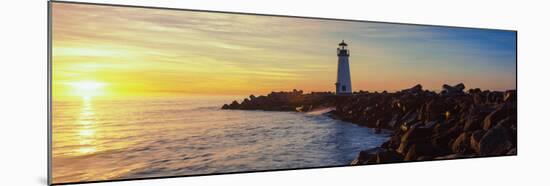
165	140
320	111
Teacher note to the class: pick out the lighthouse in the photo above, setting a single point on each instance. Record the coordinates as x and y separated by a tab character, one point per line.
343	79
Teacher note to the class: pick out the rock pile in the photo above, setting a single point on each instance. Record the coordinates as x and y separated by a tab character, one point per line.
284	101
426	125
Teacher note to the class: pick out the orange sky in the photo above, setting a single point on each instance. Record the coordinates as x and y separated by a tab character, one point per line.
119	51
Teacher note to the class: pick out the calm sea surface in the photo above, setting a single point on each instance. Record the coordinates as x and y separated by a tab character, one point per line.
100	139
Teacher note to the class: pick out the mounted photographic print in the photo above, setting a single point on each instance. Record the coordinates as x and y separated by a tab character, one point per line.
139	92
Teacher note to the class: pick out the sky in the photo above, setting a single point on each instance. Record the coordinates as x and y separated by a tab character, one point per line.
122	51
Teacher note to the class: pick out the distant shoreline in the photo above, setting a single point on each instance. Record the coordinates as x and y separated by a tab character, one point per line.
425	125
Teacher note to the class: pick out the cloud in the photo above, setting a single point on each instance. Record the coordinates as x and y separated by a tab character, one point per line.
176	48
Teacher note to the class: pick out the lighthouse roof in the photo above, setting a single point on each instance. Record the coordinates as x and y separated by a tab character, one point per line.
343	43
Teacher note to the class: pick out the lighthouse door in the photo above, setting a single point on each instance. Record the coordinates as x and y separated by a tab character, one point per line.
344	88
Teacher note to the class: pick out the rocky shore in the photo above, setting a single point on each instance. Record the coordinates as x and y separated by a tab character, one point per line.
426	125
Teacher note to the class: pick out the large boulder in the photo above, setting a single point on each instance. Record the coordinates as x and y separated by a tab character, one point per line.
462	143
478	98
245	102
414	135
475	116
408	120
475	138
495	142
506	122
473	123
500	113
453	90
366	155
474	91
495	97
388	156
234	105
392	143
434	110
393	123
414	90
420	150
444	135
510	96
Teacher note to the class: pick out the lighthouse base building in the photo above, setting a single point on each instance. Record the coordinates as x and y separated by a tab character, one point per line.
343	79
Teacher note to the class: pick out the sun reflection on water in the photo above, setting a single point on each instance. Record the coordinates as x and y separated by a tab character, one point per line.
87	127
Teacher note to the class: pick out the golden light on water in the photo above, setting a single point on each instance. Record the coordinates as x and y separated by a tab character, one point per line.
86	150
86	120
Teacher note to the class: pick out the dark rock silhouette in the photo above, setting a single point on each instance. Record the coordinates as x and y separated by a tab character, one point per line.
453	90
426	125
365	156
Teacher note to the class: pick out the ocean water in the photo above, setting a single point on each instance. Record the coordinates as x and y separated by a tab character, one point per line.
97	139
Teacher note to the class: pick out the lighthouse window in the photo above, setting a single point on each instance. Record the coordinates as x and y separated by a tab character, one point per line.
344	88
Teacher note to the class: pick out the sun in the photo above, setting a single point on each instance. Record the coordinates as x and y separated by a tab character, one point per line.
87	88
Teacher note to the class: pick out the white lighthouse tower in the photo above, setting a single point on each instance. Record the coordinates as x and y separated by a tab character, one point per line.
343	80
